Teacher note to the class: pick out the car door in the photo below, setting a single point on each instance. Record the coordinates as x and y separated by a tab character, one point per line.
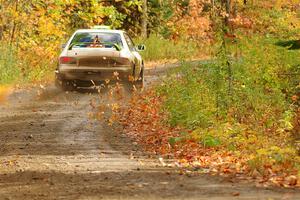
137	56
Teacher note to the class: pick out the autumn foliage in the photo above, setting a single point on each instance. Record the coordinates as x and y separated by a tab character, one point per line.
145	121
237	115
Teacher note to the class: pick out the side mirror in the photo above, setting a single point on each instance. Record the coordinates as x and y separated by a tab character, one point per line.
117	47
141	47
63	46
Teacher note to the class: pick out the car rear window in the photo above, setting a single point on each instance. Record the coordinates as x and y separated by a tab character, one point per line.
96	39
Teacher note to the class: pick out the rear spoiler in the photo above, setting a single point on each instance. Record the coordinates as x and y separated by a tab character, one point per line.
115	45
90	52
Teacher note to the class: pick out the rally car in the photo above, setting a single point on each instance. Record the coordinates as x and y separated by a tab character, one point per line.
99	54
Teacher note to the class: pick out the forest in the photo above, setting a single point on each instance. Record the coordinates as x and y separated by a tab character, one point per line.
237	111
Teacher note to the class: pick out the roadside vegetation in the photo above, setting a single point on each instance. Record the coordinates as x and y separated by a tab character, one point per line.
8	64
249	110
159	48
238	114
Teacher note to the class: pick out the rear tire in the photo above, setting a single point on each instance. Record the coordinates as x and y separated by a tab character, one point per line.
65	85
141	80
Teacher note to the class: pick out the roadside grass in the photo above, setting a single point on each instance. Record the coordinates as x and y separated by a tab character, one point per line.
237	121
9	70
158	48
17	66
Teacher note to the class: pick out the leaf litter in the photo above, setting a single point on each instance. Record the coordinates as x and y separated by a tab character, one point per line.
144	121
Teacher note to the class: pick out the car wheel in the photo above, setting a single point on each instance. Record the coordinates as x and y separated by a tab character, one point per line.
140	81
65	85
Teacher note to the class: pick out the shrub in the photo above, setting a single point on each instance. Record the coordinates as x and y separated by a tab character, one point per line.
245	109
9	70
158	48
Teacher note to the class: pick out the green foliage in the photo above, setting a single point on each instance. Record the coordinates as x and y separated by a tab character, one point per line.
198	95
187	100
158	48
123	15
272	156
161	13
210	141
278	22
248	108
174	140
9	70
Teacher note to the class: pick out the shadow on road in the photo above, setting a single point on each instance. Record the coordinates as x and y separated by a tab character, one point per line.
145	184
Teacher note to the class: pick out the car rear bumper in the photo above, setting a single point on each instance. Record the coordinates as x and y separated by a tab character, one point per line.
93	73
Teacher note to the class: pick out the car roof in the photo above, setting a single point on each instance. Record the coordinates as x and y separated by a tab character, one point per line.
98	31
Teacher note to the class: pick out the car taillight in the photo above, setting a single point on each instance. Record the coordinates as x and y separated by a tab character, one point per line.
67	60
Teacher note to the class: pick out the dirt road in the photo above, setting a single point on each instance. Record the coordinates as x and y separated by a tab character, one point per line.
50	148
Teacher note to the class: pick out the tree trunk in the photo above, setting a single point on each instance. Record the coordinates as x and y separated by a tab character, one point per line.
1	32
144	22
228	11
12	35
2	20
